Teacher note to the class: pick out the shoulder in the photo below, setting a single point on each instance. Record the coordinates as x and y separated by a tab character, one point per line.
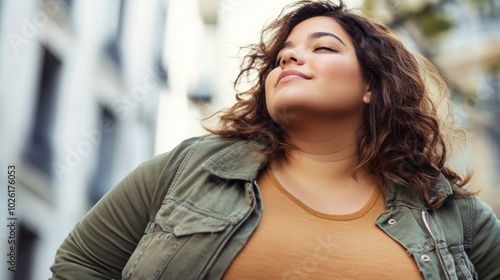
477	213
471	208
476	217
192	151
154	177
481	236
204	147
211	143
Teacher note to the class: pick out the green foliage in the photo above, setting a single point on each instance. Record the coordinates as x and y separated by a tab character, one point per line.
432	23
369	5
430	20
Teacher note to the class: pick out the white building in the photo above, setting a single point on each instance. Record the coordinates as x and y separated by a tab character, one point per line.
79	88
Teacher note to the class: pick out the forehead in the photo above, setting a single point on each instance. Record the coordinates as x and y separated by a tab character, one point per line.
318	24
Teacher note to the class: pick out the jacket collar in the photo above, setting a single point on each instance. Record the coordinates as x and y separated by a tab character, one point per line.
240	161
402	195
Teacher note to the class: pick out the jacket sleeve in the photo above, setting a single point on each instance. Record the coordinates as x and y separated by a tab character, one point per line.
484	240
102	242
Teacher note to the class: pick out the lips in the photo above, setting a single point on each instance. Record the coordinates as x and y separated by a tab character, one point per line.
292	75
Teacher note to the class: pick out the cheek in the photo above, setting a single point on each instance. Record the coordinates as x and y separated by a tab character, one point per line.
343	78
348	71
271	79
336	67
270	83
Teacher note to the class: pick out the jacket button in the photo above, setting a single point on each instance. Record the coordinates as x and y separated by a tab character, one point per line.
425	258
391	221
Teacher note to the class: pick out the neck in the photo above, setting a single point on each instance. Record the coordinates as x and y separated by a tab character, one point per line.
327	148
325	151
309	174
331	159
320	171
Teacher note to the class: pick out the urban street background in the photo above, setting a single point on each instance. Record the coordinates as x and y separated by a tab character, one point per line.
90	89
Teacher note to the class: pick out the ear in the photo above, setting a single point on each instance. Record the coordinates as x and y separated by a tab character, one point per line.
368	96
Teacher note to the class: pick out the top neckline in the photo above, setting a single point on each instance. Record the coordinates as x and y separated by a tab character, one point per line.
344	217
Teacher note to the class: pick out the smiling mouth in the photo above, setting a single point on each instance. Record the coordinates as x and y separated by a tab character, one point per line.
291	75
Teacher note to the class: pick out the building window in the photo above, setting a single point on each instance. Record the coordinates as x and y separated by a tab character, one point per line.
113	48
159	59
27	240
39	150
67	4
201	88
101	180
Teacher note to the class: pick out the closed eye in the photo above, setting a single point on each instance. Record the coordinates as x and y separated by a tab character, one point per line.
326	48
320	48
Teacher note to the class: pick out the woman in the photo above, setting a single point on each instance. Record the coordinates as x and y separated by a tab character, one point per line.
332	166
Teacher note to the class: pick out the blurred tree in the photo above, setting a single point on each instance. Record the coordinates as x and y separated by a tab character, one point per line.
428	21
425	14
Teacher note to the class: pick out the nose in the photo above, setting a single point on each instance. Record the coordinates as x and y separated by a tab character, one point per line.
289	56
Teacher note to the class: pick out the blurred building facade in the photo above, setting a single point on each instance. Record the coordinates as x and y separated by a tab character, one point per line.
85	96
79	88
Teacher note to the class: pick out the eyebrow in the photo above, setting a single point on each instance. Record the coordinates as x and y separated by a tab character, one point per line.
315	35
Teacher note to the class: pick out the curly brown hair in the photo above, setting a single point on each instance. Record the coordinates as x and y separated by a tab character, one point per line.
401	137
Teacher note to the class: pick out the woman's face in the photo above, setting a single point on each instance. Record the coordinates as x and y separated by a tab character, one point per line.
317	75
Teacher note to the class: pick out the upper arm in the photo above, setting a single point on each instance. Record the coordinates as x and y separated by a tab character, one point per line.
100	245
485	240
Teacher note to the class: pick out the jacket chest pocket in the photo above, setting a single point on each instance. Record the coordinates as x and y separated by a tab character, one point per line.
177	244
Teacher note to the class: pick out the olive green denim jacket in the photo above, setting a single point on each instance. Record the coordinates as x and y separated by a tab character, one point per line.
186	214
